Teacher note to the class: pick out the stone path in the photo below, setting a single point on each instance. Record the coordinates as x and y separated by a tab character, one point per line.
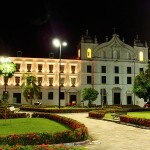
108	135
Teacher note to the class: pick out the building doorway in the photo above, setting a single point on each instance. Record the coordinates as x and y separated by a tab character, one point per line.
73	100
129	99
116	98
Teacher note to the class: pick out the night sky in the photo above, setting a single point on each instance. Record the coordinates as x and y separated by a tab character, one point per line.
29	26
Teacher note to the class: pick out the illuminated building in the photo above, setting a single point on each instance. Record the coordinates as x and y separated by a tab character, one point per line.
109	67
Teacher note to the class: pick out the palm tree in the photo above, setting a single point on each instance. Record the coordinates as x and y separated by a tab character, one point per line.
29	87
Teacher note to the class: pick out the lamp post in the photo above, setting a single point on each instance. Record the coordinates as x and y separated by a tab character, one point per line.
58	43
134	77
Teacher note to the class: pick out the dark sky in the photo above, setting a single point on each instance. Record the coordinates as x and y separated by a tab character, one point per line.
30	25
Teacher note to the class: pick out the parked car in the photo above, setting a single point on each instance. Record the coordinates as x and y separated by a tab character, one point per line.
147	104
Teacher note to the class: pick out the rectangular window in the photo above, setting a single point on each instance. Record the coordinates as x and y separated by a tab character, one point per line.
73	81
17	80
17	67
62	95
40	95
89	69
116	69
129	80
39	67
51	81
128	70
72	69
141	70
62	81
103	69
39	81
50	68
62	68
50	95
28	67
103	79
116	80
89	79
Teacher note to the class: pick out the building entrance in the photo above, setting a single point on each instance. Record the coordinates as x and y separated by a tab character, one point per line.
116	98
73	99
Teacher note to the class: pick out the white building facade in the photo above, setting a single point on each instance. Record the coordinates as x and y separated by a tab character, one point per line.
109	67
47	74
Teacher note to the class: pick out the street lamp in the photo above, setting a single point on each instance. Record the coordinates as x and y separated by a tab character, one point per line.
58	43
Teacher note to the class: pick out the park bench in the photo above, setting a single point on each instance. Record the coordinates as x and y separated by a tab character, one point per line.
117	114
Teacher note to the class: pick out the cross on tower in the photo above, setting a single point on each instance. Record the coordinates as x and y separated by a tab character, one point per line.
114	29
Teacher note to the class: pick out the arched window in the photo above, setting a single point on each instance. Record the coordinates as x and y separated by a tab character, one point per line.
141	56
89	53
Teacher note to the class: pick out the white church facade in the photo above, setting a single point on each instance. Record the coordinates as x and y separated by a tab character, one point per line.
109	67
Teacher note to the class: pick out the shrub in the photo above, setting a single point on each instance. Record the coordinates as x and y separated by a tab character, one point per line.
97	114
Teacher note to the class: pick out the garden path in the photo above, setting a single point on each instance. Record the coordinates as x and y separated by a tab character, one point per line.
108	135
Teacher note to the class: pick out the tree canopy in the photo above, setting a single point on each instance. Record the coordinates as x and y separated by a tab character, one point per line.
141	87
7	69
89	94
29	87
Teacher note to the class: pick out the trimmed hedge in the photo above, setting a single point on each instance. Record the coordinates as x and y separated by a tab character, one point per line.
97	114
80	133
135	121
57	110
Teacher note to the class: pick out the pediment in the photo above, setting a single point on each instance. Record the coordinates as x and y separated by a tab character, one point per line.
114	49
72	90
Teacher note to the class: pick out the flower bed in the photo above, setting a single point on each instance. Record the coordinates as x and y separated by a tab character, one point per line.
80	133
136	121
41	147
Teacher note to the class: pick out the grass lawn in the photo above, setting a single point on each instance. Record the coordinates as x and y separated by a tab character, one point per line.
26	125
141	114
108	116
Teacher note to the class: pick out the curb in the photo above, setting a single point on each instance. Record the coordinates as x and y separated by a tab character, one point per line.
81	143
128	124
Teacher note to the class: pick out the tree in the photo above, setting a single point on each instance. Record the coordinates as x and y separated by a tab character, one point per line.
141	87
29	87
7	70
89	94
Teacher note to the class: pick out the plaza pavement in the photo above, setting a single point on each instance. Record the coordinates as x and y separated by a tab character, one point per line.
108	135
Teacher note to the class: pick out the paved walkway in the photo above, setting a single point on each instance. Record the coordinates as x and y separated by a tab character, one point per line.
108	135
